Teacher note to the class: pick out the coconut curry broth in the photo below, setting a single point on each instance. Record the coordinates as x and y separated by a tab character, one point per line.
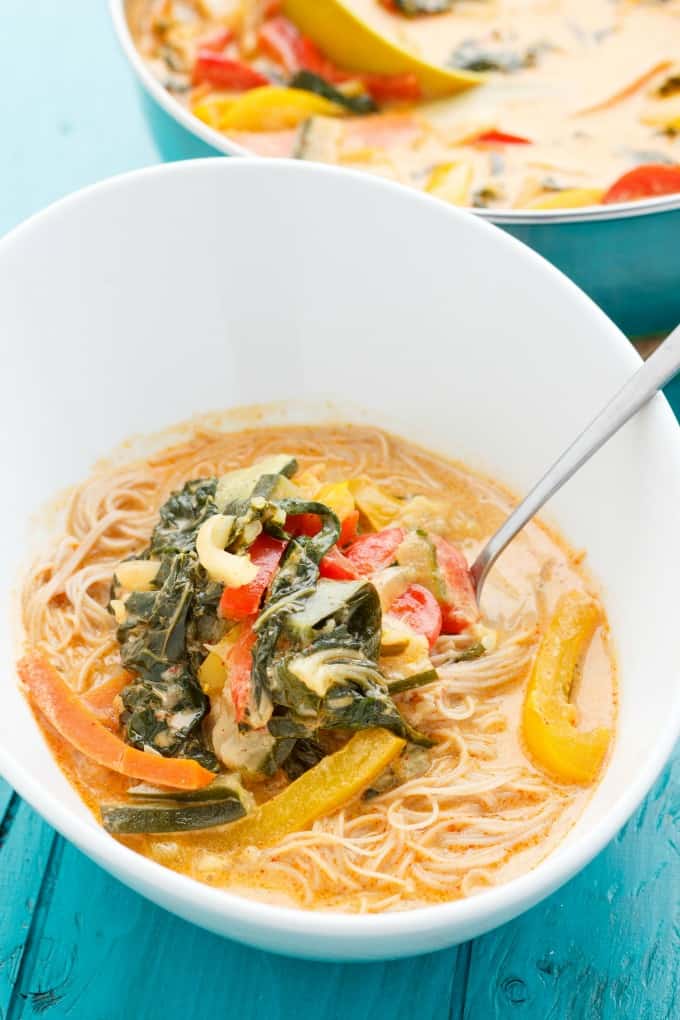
520	598
577	94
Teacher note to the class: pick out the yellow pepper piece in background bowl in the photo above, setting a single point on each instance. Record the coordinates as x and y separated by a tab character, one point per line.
274	108
548	716
451	182
570	198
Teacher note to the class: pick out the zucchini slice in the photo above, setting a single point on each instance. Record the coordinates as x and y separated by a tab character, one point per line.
318	139
171	816
154	809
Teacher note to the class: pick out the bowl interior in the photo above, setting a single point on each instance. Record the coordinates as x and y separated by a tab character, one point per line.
204	286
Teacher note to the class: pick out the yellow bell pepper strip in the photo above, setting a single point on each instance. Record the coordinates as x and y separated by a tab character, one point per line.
548	716
570	198
213	108
77	724
338	496
451	182
317	793
377	506
273	108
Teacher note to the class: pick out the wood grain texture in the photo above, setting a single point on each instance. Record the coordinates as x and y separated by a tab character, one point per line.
605	946
100	952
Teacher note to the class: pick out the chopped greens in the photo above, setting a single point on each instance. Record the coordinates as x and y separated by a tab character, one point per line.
412	8
319	658
310	82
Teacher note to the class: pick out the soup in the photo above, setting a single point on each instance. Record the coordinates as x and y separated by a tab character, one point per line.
259	658
579	101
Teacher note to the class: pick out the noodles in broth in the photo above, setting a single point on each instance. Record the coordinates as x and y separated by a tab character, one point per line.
474	810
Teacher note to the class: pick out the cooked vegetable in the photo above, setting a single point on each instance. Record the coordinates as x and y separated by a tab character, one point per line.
215	69
78	724
404	657
265	554
137	575
238	671
384	88
472	55
451	182
377	506
231	570
335	565
170	817
549	718
413	8
318	139
163	635
500	138
418	608
236	487
644	182
567	198
311	82
283	41
347	608
338	496
374	552
102	699
459	605
323	789
274	108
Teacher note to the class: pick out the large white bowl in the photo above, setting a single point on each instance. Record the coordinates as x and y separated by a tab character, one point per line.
201	286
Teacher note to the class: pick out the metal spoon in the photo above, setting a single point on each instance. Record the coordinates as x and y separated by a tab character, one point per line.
641	387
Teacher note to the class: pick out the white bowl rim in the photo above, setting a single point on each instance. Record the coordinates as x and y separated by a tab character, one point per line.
223	144
504	901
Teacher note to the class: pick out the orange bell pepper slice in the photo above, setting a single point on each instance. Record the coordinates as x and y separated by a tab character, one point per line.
77	723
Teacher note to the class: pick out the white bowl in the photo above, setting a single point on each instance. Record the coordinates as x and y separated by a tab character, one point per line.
201	286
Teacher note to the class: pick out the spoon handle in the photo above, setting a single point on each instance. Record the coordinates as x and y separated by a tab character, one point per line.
649	378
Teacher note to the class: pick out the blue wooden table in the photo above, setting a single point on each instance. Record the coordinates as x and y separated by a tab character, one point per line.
76	944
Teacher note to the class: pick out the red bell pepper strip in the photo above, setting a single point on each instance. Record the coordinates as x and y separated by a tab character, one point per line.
217	41
337	567
281	40
238	603
500	138
303	524
375	551
644	182
310	524
239	667
420	610
348	529
460	609
225	73
383	87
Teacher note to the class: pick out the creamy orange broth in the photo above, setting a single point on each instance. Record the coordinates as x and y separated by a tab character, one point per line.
587	97
519	597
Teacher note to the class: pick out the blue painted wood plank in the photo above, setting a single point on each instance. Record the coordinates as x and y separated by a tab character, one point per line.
28	857
69	107
605	946
101	952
